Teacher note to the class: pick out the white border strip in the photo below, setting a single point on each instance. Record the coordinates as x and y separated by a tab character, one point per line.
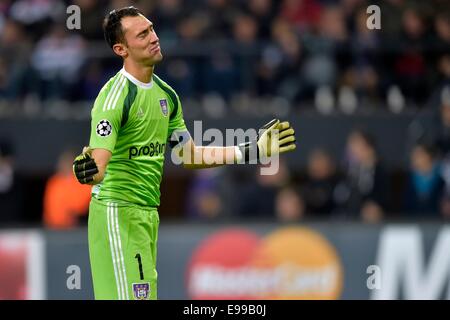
113	256
125	283
112	104
35	272
111	92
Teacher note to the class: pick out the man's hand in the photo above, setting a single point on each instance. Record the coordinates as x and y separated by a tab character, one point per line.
84	166
273	138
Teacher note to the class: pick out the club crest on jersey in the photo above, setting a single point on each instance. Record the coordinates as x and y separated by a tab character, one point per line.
141	291
163	105
104	128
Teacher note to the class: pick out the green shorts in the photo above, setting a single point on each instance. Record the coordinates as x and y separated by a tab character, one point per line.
122	250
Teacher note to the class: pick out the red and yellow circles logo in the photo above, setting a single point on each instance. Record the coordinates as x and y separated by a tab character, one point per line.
290	263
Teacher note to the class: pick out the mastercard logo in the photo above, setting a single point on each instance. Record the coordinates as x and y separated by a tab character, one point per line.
289	263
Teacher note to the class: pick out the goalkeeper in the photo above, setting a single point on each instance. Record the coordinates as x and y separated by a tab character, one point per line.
134	117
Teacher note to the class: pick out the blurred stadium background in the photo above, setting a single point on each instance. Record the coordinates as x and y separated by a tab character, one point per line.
359	211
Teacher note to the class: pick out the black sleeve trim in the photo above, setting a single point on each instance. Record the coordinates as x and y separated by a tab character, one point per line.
129	99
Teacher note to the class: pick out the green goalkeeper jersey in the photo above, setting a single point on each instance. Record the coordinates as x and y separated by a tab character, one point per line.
134	120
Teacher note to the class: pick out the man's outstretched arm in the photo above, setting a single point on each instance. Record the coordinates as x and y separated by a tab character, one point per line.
201	157
273	138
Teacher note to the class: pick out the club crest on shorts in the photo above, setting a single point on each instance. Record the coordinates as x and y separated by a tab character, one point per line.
163	105
141	291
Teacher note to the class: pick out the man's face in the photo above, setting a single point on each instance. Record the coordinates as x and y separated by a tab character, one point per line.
142	43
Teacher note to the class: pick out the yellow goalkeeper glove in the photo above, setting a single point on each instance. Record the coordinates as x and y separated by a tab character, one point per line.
274	137
84	166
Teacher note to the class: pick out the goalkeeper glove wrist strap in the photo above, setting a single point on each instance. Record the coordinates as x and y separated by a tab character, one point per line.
249	151
238	156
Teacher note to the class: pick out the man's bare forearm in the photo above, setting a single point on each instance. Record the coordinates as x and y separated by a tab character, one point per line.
210	157
101	158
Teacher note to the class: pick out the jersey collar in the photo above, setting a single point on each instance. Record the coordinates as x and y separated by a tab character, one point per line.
136	81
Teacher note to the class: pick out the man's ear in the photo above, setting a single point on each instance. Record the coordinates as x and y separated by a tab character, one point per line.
120	49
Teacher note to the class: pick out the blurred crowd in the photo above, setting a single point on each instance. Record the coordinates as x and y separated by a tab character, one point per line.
358	187
308	52
318	51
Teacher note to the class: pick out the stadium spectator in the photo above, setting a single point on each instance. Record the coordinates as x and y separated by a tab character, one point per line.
391	19
15	51
279	70
4	83
289	206
209	195
166	15
11	189
442	44
441	94
37	15
65	200
181	73
92	81
361	74
442	138
302	14
259	200
57	61
219	15
245	29
220	75
411	63
425	185
442	144
319	187
91	10
264	12
245	32
362	193
325	45
322	46
442	26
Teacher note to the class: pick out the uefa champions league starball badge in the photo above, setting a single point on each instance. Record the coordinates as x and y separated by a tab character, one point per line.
104	128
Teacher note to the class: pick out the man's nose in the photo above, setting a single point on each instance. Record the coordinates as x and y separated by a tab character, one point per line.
154	38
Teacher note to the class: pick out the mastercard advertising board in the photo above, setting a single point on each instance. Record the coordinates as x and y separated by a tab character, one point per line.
287	263
22	271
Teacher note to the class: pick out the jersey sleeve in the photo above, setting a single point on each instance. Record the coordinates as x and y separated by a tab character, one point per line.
176	121
178	134
107	114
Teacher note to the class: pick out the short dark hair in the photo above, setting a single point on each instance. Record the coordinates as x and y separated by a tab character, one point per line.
367	137
428	148
112	28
